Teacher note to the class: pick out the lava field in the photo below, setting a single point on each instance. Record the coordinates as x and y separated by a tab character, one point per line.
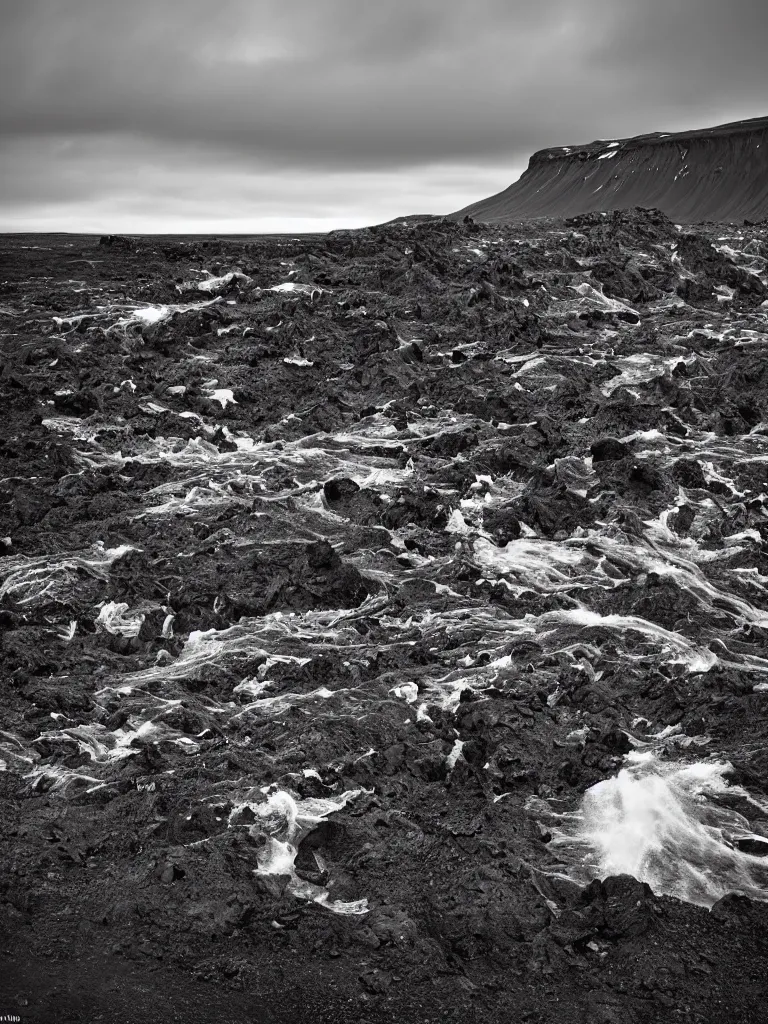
384	625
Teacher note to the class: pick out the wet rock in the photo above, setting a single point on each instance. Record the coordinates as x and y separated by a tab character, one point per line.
77	403
322	555
625	906
306	636
755	847
339	490
609	449
689	473
392	926
502	524
682	520
737	911
614	740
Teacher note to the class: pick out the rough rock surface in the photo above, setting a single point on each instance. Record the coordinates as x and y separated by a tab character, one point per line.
329	588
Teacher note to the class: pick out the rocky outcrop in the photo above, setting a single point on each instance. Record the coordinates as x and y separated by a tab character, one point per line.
713	174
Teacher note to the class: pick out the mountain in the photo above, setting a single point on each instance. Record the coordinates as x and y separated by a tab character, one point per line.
712	174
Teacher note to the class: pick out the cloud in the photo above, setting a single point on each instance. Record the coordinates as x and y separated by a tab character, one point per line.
320	91
336	84
115	183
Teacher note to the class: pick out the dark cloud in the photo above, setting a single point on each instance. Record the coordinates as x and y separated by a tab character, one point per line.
351	88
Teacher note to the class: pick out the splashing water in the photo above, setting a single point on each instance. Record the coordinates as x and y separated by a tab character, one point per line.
672	826
29	580
286	821
668	825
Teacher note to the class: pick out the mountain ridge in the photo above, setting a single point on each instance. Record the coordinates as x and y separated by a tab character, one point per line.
706	174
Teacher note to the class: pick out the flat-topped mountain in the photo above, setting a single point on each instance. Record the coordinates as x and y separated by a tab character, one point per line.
711	174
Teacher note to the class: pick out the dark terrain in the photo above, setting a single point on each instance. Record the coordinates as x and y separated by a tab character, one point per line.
711	174
323	607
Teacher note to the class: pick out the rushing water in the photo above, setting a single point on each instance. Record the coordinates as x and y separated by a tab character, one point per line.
663	818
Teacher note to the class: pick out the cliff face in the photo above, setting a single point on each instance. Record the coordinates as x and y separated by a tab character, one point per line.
714	174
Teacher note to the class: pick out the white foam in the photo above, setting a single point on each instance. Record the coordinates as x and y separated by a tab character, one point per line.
286	821
29	579
667	825
298	287
406	691
67	634
643	367
114	618
213	284
151	314
223	396
454	755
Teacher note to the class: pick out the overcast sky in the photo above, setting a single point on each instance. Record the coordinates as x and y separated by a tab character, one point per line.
269	115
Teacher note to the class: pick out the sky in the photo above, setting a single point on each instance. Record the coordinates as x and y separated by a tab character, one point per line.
247	116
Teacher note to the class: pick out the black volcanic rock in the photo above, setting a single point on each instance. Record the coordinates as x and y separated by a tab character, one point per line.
321	614
608	449
711	174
